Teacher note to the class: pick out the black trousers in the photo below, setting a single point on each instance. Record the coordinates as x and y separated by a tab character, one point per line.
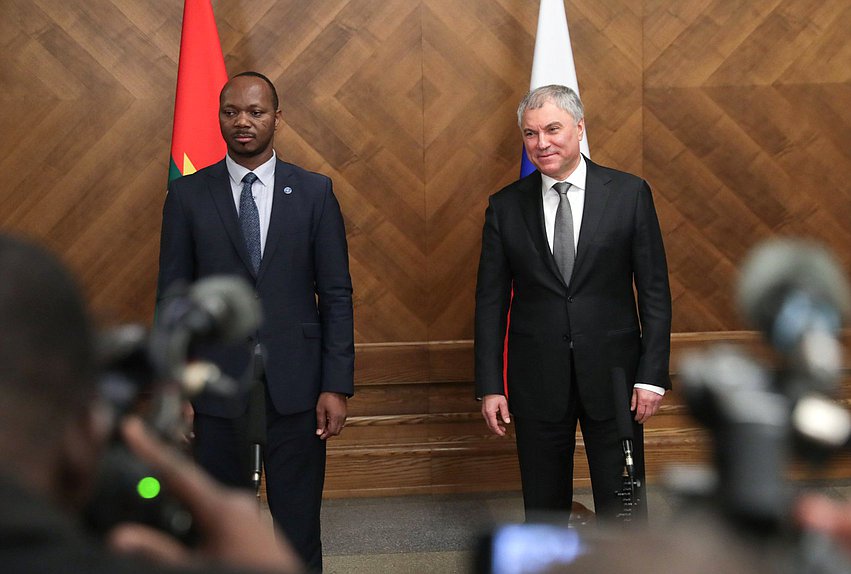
294	462
546	452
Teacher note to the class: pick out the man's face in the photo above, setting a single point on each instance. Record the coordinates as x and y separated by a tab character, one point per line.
552	137
248	120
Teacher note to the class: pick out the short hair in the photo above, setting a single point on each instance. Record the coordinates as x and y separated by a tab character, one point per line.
253	74
47	356
562	97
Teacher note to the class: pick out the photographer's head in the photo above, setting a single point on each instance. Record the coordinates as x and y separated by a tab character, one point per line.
48	436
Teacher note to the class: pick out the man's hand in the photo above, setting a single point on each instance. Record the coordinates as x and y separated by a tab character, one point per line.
188	423
330	414
644	404
231	528
494	408
829	517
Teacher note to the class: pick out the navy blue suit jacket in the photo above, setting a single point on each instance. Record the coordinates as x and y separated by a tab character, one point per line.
619	254
303	282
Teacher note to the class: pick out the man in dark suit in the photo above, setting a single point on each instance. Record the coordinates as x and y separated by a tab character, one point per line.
280	227
574	242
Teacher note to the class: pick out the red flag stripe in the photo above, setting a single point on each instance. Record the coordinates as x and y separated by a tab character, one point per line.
201	74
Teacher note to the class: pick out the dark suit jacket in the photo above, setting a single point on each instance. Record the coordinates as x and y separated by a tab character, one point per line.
620	244
303	282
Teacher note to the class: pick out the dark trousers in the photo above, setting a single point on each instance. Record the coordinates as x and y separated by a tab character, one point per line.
545	451
294	461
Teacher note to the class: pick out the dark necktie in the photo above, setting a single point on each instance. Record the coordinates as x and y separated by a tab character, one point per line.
564	251
249	220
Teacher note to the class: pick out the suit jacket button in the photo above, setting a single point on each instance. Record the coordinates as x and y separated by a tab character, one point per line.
570	299
565	338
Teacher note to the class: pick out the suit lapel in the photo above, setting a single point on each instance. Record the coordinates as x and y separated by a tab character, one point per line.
282	212
220	190
533	215
596	197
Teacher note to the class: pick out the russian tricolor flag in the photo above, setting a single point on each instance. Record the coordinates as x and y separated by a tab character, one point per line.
553	61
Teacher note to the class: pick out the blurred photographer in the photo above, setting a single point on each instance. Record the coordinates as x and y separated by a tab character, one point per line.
52	433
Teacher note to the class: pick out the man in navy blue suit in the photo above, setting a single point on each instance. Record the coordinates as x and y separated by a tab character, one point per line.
279	227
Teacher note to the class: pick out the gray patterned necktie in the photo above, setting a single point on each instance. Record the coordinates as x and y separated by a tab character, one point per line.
564	251
249	220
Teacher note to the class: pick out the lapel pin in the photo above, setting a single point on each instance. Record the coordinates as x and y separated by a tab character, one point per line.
288	190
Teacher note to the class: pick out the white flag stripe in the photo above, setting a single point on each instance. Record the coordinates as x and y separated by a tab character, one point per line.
553	59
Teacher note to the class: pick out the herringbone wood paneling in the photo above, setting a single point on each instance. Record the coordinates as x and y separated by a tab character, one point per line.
87	90
738	114
747	134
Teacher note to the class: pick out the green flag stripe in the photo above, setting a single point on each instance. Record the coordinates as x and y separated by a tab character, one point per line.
173	172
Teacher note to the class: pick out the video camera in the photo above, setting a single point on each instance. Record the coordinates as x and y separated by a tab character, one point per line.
762	418
149	372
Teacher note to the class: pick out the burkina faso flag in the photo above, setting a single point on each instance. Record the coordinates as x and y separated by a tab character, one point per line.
196	141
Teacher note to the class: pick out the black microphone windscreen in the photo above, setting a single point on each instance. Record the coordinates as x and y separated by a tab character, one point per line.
777	268
231	303
623	418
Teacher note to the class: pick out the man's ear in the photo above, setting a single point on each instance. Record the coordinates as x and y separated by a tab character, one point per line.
79	459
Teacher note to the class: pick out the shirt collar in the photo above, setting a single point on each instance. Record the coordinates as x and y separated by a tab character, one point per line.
575	179
265	172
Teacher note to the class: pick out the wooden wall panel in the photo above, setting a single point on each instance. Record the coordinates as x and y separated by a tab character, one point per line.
408	437
352	102
87	91
747	110
738	115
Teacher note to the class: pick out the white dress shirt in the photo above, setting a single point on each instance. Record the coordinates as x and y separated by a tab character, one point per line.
575	195
262	190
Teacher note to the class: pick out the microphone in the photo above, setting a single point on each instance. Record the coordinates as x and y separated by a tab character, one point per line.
794	292
223	308
257	418
217	309
256	467
623	418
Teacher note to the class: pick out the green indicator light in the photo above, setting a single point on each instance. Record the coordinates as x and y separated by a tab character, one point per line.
148	487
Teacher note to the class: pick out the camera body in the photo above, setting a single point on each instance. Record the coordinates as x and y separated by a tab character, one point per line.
150	373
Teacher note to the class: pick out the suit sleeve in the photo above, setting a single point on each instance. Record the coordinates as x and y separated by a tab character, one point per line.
654	294
334	293
493	297
176	246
